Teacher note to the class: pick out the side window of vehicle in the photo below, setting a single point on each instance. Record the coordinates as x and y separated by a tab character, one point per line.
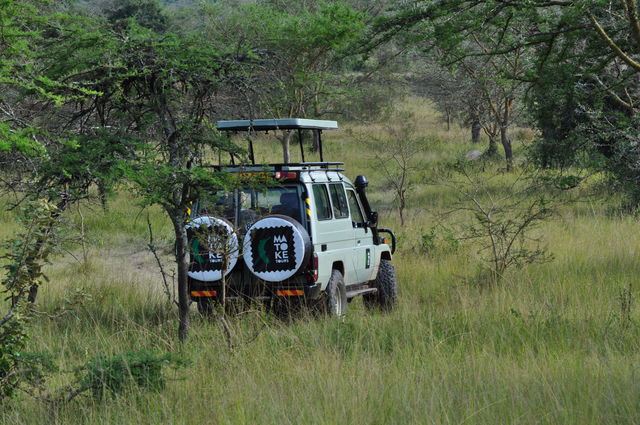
356	213
323	207
339	200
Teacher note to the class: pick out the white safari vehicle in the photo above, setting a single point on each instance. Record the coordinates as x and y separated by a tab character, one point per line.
311	236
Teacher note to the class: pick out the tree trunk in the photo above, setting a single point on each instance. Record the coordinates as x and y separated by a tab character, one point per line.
475	130
448	113
182	260
315	141
504	137
493	146
506	144
286	142
102	195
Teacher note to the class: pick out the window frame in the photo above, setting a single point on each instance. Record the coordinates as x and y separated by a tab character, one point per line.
346	201
325	190
362	223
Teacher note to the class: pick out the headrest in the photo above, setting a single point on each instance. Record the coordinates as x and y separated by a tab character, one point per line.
289	198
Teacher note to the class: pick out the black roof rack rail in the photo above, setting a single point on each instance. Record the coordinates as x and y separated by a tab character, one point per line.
291	166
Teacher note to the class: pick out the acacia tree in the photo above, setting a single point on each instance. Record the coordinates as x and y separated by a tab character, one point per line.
297	53
594	45
497	81
156	91
43	174
455	94
37	163
395	152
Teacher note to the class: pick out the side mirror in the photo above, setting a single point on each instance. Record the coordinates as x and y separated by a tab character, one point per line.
373	219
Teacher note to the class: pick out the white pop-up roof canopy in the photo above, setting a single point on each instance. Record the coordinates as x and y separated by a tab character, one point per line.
276	124
272	124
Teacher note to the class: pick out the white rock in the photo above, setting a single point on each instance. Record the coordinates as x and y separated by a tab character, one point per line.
474	154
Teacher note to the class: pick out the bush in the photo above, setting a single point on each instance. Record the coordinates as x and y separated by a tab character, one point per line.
113	375
438	239
503	225
23	259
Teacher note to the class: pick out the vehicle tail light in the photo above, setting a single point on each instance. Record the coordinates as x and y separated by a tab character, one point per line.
313	268
286	175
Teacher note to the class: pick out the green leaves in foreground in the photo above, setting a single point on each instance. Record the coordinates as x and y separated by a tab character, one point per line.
22	140
23	258
134	369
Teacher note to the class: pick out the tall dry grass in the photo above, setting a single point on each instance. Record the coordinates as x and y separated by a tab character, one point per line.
551	344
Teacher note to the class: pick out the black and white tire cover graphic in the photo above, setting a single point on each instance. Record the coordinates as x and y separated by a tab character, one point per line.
205	265
276	247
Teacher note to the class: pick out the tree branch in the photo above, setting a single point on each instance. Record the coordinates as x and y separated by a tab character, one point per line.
612	44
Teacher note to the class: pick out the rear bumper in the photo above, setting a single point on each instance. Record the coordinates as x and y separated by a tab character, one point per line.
199	290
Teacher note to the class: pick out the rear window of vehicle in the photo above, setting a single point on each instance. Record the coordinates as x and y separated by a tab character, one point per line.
339	200
248	205
323	207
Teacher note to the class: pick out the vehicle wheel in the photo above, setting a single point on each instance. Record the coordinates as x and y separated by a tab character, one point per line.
387	295
334	301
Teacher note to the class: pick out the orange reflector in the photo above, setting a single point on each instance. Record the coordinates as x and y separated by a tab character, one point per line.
204	293
289	292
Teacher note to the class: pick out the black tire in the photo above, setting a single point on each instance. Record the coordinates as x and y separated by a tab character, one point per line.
334	300
387	296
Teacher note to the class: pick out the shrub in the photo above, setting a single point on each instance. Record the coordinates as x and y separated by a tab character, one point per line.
24	257
438	239
115	374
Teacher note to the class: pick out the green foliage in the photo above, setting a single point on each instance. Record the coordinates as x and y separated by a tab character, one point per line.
104	375
146	13
578	60
20	140
438	240
296	53
156	181
19	21
24	257
614	146
504	227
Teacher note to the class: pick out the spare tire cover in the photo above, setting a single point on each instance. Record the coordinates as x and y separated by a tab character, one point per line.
276	247
206	266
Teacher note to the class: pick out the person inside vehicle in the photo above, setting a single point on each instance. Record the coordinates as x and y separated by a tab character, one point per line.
289	205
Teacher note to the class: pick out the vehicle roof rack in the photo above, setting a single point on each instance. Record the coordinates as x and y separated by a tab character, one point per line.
292	166
271	124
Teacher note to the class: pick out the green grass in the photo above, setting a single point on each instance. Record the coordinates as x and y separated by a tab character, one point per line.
551	344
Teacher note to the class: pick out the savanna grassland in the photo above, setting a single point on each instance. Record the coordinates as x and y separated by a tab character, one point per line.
551	343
